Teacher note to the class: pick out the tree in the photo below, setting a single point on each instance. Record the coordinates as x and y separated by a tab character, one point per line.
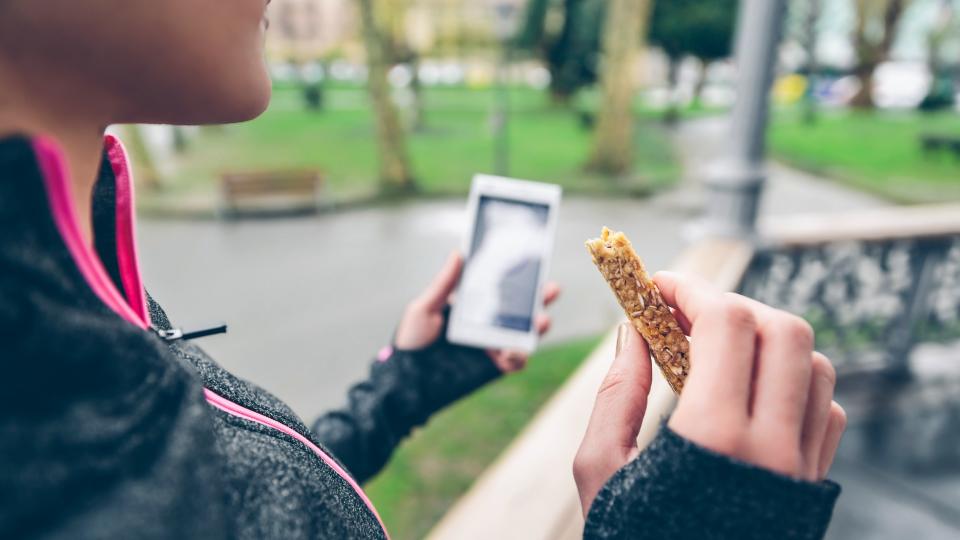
395	173
940	96
613	141
699	28
875	30
393	19
570	51
805	16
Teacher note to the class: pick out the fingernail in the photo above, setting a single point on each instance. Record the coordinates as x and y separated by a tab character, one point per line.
623	333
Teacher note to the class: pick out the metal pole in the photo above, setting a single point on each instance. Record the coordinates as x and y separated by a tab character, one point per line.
502	117
735	185
505	21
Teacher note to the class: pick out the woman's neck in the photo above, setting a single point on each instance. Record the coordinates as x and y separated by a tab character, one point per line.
82	144
83	149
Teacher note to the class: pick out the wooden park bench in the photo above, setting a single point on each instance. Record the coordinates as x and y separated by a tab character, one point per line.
938	142
270	192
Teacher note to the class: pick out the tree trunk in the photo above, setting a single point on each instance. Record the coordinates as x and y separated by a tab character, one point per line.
395	175
701	82
942	85
417	121
810	39
672	114
863	99
871	54
624	31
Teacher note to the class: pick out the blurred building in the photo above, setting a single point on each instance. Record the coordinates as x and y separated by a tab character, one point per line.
317	28
447	27
308	29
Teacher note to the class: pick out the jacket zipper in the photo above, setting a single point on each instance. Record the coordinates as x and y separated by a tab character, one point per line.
239	411
176	334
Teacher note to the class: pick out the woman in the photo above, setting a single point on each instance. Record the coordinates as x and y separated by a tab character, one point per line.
114	426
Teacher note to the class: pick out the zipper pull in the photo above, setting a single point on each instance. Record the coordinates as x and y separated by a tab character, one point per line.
175	334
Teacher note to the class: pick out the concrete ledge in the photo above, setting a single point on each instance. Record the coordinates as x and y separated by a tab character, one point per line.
878	224
529	492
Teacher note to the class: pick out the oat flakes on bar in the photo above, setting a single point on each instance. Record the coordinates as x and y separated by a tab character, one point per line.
641	301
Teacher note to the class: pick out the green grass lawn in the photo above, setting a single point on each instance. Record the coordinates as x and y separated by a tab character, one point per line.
547	143
439	463
878	152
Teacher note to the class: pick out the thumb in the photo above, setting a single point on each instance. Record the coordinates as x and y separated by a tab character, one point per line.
611	438
438	292
622	398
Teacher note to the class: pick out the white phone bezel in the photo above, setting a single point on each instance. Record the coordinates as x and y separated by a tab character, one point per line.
467	333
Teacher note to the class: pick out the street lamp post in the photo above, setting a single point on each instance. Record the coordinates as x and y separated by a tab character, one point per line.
505	23
735	185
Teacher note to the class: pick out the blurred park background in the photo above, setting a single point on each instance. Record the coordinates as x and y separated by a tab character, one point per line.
309	228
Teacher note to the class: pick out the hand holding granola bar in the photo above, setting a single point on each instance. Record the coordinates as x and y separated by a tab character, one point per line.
757	392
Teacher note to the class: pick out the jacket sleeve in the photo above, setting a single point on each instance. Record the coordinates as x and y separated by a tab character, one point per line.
676	489
404	388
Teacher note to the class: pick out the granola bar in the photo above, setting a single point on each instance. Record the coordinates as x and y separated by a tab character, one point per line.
641	300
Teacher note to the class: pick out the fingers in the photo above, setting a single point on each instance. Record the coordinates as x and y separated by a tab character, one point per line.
835	427
817	418
611	437
550	292
437	294
543	324
783	375
756	391
689	294
509	361
723	349
622	398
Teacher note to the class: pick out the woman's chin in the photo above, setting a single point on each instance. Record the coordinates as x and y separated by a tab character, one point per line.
252	104
237	104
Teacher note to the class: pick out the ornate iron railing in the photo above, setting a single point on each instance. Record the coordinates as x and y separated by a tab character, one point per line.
871	301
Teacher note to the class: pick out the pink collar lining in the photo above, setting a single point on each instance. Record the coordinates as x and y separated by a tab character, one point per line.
127	259
56	178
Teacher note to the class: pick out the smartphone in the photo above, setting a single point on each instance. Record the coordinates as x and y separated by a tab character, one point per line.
507	249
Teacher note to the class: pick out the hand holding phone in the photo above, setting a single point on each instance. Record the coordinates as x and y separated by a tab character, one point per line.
423	318
507	252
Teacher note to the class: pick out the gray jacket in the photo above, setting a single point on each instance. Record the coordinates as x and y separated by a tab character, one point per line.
108	430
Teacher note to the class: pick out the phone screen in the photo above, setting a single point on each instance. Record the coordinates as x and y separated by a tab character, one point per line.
500	280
